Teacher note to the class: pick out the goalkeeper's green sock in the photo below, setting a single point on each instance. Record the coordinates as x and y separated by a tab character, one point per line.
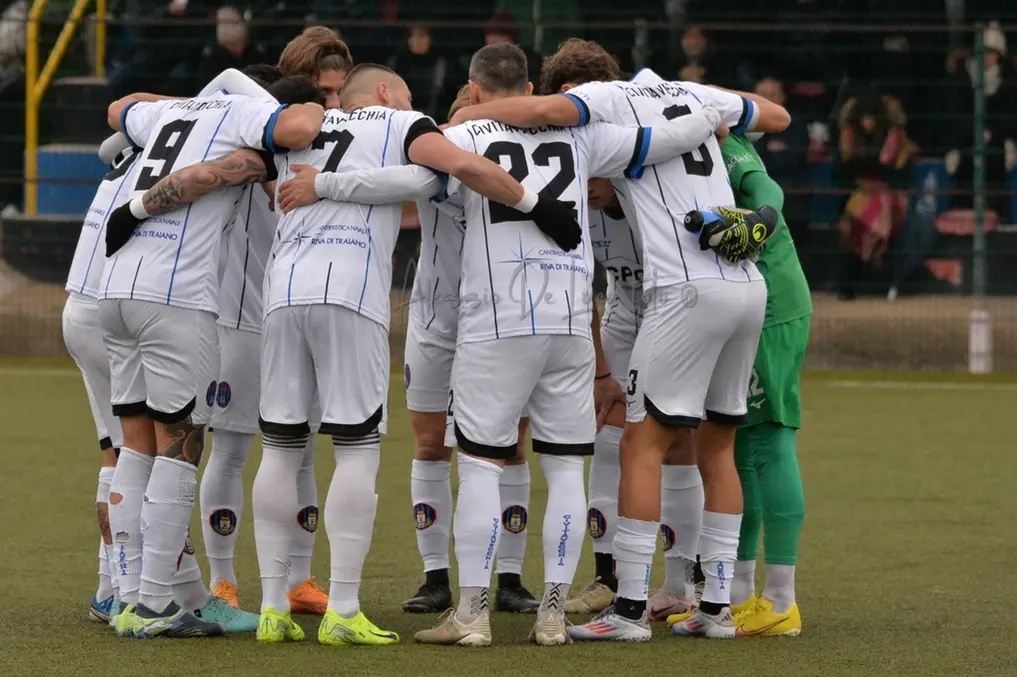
744	583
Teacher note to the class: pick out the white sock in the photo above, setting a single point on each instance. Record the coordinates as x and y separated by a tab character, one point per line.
634	545
514	488
189	589
431	493
780	586
477	528
718	552
349	517
274	501
743	585
681	510
305	526
127	490
563	528
169	501
105	588
605	471
222	501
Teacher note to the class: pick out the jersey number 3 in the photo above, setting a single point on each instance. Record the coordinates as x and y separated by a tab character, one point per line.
166	148
693	167
519	169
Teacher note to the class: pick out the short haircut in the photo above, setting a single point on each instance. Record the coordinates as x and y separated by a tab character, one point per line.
499	67
316	50
356	78
264	74
292	89
577	61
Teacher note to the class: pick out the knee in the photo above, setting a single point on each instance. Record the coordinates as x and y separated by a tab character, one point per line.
681	451
429	445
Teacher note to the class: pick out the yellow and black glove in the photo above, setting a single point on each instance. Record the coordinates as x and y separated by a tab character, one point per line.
736	234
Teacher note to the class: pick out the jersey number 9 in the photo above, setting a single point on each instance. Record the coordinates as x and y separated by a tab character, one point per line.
167	148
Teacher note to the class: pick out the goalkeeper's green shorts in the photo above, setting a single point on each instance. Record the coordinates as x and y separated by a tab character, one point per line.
774	392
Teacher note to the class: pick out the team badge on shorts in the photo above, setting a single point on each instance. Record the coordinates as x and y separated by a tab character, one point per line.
406	376
596	523
307	518
210	393
667	533
224	394
423	514
514	519
223	521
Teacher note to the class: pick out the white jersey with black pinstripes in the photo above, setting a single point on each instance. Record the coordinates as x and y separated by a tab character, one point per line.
616	247
434	304
247	242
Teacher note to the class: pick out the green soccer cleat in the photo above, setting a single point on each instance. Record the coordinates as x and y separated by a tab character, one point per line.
172	622
338	631
123	621
234	621
275	627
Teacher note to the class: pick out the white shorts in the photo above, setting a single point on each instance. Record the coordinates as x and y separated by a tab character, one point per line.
617	347
81	326
548	378
694	353
155	358
330	351
238	393
208	369
427	370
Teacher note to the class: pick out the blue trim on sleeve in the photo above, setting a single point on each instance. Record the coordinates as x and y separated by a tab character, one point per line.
635	169
270	130
584	110
123	122
749	111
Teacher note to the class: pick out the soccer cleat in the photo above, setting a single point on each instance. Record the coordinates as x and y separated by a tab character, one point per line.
172	622
123	622
550	630
232	620
100	611
275	627
762	621
608	626
338	631
430	598
226	591
712	626
743	608
664	603
451	631
515	599
592	599
114	611
308	598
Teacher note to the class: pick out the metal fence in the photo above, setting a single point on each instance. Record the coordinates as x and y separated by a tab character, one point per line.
951	261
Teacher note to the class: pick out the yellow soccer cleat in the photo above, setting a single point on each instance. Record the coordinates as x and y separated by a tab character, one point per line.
227	592
308	598
124	624
745	607
763	621
357	631
275	627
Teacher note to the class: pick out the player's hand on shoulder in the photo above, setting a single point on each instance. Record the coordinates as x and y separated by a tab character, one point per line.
557	220
119	228
299	190
736	234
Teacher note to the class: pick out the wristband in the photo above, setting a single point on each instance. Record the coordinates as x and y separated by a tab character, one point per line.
528	202
602	376
137	207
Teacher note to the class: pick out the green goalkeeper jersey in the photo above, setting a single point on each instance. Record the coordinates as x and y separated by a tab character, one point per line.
788	296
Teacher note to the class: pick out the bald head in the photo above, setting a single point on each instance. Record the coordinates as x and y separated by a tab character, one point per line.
374	85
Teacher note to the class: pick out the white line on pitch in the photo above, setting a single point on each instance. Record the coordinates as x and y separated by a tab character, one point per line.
923	385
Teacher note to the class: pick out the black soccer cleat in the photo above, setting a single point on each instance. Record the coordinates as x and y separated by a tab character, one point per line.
516	599
430	598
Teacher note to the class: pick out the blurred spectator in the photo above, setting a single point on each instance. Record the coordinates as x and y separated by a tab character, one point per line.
699	59
785	155
1000	83
12	110
12	38
425	72
876	160
502	28
804	56
232	49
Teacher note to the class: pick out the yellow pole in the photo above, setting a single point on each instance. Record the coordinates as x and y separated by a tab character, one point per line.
31	105
100	38
63	41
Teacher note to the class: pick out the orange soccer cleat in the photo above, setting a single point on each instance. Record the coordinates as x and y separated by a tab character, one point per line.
308	598
227	592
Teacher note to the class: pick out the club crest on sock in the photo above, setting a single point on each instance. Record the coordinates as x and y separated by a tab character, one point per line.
224	394
424	515
223	521
307	518
513	519
667	533
213	387
596	523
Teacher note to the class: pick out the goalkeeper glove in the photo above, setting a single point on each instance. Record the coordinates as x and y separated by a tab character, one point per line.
736	234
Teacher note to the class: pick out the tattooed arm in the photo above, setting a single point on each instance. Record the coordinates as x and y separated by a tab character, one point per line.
187	185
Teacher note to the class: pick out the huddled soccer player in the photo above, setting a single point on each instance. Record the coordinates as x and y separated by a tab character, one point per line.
249	234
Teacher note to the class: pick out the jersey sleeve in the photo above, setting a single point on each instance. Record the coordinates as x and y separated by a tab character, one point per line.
255	122
615	151
461	137
740	159
137	120
739	113
407	127
383	185
595	101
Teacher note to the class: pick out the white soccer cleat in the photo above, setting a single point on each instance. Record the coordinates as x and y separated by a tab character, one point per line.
664	603
451	631
550	630
711	626
609	626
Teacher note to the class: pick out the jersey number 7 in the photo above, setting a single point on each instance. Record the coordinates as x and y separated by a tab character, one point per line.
342	140
519	169
693	167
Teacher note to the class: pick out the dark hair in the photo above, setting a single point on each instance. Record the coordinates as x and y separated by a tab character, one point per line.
292	89
264	74
500	67
577	61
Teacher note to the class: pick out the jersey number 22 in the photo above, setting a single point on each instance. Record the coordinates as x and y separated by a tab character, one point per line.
519	169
